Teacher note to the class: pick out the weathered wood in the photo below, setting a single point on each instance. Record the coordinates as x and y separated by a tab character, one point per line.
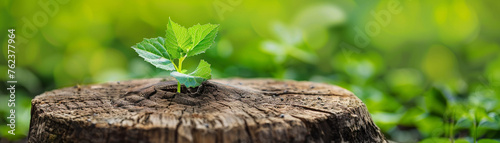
229	110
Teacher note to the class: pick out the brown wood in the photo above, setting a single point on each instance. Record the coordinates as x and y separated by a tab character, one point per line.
226	110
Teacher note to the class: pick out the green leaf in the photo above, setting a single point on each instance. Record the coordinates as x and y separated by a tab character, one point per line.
463	123
488	141
202	37
435	140
461	141
490	121
178	40
153	51
201	74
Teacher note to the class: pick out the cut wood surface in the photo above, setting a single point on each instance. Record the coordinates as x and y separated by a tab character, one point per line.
221	110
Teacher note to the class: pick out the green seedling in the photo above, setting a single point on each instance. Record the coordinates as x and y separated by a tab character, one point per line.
178	44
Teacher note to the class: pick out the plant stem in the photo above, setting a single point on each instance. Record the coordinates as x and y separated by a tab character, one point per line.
178	87
179	69
475	130
180	64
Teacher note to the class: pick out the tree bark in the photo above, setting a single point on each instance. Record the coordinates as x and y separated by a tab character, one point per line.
226	110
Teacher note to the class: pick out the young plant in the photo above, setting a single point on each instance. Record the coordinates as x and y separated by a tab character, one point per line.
178	44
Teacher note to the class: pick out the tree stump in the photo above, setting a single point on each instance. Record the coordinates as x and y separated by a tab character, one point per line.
225	110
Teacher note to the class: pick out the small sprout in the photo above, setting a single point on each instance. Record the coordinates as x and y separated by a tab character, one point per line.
178	44
282	116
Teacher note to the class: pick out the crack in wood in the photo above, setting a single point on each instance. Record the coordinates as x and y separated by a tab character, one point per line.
178	125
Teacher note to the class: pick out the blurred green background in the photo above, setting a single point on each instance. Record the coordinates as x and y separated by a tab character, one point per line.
428	71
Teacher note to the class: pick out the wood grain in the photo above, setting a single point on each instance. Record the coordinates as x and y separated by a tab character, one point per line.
228	110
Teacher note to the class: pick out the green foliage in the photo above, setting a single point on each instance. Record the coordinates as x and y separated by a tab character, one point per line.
436	140
488	141
202	36
153	51
195	78
180	43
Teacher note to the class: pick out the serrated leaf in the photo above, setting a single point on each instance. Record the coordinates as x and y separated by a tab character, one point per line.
154	52
178	40
201	74
203	70
202	37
